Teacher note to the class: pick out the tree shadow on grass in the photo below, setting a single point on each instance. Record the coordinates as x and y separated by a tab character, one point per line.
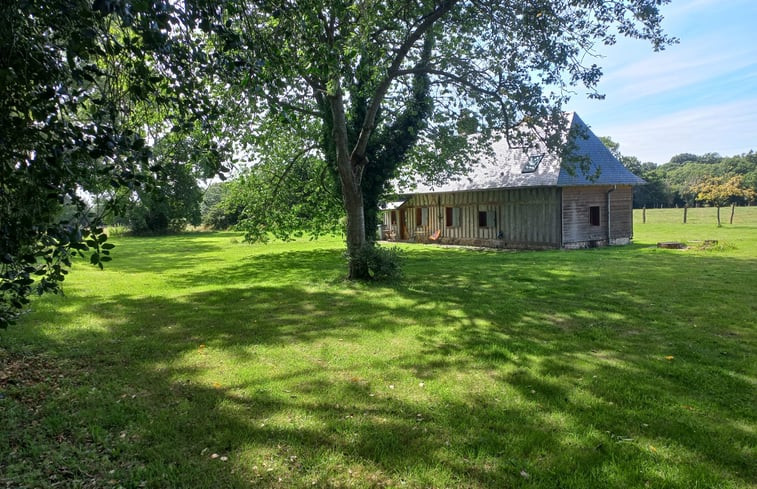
314	266
526	369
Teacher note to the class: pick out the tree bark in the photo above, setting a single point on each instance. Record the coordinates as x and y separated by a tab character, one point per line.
350	167
718	216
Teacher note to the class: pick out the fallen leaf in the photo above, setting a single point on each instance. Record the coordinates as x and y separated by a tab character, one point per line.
653	448
524	474
669	357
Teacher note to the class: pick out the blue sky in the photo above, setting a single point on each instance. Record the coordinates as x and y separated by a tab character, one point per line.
698	96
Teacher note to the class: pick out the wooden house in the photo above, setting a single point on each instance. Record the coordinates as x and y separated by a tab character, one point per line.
523	198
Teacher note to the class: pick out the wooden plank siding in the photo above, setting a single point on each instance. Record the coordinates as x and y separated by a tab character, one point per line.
578	230
522	218
622	215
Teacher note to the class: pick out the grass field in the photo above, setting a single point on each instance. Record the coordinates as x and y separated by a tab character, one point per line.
197	361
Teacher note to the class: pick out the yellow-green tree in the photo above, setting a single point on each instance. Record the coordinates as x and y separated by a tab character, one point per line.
719	191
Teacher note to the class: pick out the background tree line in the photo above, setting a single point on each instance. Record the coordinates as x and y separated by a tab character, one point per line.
678	182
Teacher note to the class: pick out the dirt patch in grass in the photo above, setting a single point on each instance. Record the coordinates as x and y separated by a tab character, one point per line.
20	373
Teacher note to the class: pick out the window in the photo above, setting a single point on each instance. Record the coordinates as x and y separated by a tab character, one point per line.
421	216
452	217
532	163
486	219
594	215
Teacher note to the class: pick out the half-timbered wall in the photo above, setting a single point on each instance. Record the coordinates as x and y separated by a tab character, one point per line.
502	218
517	218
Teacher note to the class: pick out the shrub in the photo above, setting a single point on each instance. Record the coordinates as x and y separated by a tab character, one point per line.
221	216
384	264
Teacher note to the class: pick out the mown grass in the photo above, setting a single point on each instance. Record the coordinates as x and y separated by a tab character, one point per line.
197	361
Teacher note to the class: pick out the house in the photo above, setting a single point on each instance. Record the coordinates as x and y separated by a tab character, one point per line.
523	198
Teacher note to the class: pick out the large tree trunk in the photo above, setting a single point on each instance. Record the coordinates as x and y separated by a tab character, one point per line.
350	166
356	239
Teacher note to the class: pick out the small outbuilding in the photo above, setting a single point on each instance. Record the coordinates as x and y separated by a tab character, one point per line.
523	198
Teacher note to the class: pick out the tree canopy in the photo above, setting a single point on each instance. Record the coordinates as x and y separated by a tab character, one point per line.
719	191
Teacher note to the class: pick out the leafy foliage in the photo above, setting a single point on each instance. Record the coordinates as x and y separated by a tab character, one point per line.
173	198
287	192
80	84
383	264
215	211
719	191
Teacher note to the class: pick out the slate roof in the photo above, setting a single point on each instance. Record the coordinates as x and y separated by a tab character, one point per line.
506	169
390	206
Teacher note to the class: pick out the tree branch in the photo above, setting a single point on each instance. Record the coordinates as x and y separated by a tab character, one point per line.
370	117
451	76
287	170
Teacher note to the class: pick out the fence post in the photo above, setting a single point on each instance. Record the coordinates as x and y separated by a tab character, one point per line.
644	215
685	211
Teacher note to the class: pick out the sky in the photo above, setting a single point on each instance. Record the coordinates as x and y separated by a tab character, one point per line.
698	96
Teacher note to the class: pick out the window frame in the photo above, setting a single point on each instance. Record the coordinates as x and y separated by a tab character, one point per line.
488	217
421	216
482	219
532	163
595	215
452	217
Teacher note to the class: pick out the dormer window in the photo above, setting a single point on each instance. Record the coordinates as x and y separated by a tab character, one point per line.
532	163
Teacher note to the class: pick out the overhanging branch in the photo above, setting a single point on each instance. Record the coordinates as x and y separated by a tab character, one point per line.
370	117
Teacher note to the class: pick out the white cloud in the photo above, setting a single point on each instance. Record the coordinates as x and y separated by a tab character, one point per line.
681	66
728	129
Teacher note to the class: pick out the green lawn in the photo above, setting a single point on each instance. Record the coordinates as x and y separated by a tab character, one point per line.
198	361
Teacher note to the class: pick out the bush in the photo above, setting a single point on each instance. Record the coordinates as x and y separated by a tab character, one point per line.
116	230
221	216
384	264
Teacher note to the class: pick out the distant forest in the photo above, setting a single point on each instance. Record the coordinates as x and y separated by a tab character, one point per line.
672	184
